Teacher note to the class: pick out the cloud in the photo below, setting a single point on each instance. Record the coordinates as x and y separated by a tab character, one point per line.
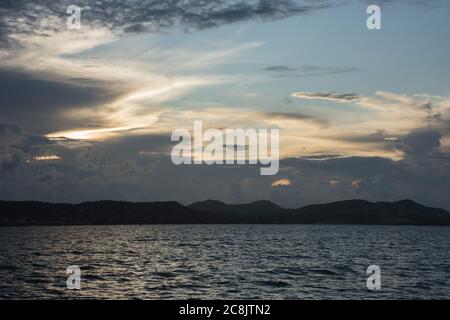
100	174
430	114
371	178
47	158
10	159
147	15
285	71
326	95
381	122
77	88
45	102
43	18
291	116
116	114
281	183
334	183
80	95
138	168
10	134
380	140
279	69
18	146
420	141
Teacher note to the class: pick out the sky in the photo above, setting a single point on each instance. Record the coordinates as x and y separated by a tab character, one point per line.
87	114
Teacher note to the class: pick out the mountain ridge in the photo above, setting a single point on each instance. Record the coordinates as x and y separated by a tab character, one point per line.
109	212
256	207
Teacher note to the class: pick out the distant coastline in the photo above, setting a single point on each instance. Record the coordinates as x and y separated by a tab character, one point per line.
404	212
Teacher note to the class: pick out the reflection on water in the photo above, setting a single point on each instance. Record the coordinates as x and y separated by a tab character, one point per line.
225	262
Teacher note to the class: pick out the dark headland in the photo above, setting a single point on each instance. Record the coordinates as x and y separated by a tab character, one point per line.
405	212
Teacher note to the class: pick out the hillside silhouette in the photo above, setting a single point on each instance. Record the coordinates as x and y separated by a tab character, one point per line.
405	212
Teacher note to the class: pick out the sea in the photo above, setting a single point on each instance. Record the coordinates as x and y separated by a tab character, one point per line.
281	262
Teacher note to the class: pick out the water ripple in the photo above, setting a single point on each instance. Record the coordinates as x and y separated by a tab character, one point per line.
225	262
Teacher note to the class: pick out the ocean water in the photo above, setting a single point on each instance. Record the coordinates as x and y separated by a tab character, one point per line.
225	262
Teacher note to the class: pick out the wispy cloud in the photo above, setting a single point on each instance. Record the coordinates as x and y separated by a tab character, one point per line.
75	88
286	71
326	95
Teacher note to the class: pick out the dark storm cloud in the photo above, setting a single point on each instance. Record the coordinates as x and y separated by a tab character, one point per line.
159	15
421	141
154	178
306	71
16	144
371	178
143	15
10	133
37	103
10	159
138	168
134	147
